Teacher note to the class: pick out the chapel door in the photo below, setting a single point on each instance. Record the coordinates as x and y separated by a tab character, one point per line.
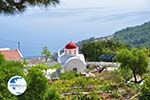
75	69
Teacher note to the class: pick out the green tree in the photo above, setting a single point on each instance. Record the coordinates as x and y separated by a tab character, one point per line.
93	49
55	66
137	36
42	67
18	6
134	59
46	53
53	94
7	70
1	59
37	85
37	88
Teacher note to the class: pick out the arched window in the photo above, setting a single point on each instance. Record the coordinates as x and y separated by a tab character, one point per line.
69	51
65	51
74	51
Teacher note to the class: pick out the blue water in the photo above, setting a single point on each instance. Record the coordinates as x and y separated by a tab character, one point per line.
72	20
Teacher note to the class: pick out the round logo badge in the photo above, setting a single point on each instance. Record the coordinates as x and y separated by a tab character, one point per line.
17	85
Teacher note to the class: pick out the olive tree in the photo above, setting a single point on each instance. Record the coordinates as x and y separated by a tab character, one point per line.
46	53
135	59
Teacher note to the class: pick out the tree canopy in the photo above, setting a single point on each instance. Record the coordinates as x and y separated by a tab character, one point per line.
93	50
37	85
19	6
137	36
134	59
7	70
46	53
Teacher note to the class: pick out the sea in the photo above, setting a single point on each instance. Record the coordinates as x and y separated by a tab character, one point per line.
71	20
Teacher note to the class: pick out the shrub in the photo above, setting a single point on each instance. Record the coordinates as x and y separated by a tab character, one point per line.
145	92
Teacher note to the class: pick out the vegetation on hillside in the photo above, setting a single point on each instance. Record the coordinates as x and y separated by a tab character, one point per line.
7	70
37	83
73	86
145	92
104	85
93	50
46	53
136	60
138	36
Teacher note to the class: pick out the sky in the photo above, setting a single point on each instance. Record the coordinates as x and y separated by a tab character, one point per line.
71	20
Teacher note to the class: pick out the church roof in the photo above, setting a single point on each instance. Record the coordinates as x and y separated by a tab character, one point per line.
71	45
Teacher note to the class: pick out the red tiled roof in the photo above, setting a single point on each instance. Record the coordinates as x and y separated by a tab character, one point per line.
71	45
11	54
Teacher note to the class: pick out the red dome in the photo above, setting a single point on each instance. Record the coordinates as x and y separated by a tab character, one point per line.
71	45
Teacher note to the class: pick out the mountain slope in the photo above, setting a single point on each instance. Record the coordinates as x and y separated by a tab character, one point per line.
138	36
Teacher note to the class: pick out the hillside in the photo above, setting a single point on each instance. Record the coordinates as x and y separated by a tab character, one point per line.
138	36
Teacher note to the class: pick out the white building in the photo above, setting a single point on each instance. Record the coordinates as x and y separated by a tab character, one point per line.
70	59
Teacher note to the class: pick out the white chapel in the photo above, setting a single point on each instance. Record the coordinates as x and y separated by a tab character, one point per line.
70	59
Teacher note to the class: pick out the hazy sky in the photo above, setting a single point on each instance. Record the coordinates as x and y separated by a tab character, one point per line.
105	3
71	20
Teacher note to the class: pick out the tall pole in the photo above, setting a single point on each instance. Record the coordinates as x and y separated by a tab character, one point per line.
19	46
